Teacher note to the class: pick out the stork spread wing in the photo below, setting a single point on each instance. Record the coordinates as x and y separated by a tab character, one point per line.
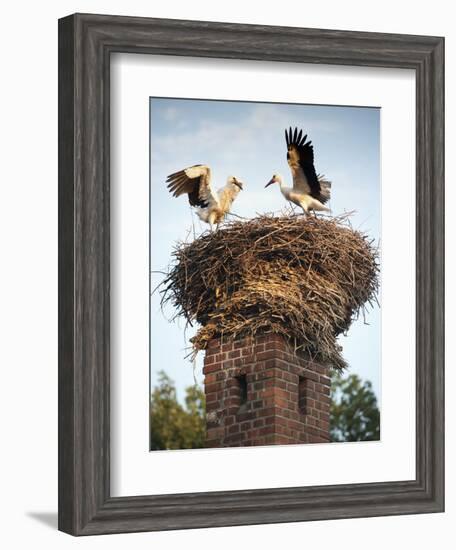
196	182
300	157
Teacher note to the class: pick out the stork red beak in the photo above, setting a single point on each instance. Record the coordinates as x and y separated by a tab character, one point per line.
269	183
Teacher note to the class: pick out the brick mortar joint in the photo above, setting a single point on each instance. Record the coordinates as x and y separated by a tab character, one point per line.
273	372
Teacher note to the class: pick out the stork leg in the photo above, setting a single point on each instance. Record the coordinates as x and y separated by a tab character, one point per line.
211	220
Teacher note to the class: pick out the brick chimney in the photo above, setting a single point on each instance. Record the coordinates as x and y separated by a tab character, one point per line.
259	391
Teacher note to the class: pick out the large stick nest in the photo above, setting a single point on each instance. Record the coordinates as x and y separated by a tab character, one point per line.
304	278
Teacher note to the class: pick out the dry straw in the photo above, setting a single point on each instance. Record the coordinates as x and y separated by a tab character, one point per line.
305	278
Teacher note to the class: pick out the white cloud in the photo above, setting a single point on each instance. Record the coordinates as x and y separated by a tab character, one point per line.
170	114
225	140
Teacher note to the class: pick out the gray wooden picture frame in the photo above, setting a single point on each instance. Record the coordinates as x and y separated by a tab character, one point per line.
85	45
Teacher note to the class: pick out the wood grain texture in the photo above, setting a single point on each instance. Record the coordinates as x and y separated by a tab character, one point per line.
66	275
85	45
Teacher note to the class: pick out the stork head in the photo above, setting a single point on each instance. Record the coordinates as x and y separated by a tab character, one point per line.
233	180
276	178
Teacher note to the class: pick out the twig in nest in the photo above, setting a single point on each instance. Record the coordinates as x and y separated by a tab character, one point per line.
235	215
304	278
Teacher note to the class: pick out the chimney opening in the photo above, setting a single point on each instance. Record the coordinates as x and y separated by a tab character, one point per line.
302	395
242	385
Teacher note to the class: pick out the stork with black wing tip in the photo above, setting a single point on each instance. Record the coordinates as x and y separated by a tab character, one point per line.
310	191
210	206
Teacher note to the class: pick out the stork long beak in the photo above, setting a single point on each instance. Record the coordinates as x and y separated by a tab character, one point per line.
239	184
269	183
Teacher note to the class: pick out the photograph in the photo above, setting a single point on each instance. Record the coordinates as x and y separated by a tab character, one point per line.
235	221
265	274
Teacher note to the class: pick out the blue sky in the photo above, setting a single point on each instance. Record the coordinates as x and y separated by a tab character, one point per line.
247	140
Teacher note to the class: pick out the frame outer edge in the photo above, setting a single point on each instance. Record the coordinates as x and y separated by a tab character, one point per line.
438	245
84	503
430	275
66	311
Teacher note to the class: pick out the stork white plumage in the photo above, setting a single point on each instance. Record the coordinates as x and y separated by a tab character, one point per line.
309	191
210	206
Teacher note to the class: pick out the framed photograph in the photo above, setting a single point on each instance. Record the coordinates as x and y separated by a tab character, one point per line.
251	274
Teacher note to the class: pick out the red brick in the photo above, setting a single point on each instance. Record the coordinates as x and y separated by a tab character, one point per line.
321	406
212	397
322	389
324	416
234	440
267	392
283	394
323	425
270	363
313	413
244	416
311	376
212	433
265	355
294	424
213	344
211	388
311	421
228	401
209	360
281	403
213	367
267	430
270	415
266	411
279	383
210	378
233	429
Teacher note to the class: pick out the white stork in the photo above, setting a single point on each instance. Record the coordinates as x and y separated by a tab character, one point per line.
210	206
309	191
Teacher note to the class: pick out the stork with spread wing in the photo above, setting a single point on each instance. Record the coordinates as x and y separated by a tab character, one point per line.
309	191
210	206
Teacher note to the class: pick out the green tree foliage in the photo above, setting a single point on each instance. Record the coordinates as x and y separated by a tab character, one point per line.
354	412
173	426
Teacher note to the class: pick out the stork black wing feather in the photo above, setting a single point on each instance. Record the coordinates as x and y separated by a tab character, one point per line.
179	183
306	161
